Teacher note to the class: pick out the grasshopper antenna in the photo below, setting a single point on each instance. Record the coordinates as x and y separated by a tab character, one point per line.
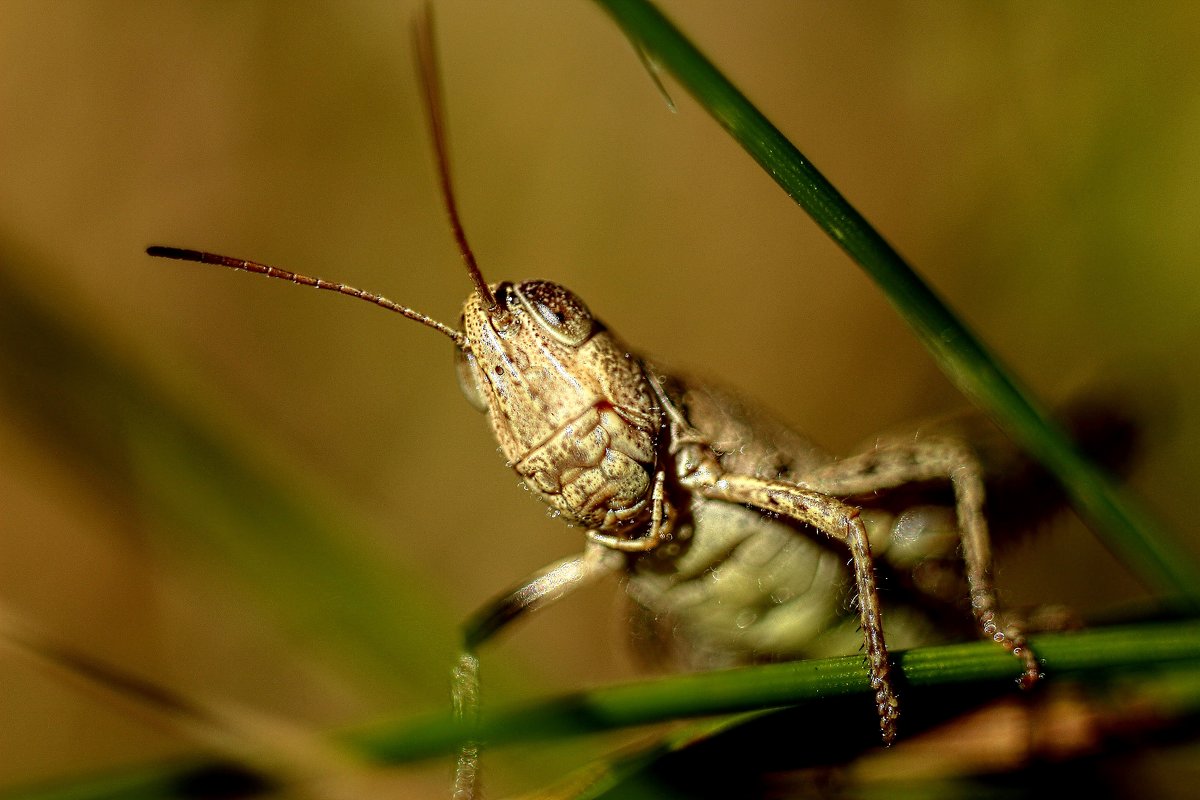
431	86
201	257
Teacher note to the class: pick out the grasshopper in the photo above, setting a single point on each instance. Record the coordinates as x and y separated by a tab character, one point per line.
730	531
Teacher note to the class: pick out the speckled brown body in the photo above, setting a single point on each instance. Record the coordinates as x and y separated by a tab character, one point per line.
732	530
737	585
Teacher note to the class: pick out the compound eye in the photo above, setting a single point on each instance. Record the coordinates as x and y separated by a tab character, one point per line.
468	379
557	310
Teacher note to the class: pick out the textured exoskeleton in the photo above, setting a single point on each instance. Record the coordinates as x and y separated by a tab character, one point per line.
732	533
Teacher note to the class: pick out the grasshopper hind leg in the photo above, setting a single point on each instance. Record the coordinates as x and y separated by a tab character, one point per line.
893	464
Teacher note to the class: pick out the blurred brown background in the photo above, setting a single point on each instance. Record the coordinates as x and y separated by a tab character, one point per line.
1038	165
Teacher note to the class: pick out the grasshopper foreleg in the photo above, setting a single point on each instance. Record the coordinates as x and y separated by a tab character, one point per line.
836	520
551	584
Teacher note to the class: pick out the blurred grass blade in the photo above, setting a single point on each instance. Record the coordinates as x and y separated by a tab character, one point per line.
165	469
278	750
1149	551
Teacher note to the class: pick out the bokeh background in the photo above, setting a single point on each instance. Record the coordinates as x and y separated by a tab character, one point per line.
1037	164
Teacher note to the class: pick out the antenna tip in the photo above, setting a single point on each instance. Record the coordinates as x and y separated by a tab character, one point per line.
184	254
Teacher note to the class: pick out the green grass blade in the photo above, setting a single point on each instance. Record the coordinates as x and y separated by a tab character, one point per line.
749	688
1123	526
738	755
980	669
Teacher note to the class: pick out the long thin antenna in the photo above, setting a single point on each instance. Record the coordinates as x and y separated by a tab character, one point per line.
432	90
201	257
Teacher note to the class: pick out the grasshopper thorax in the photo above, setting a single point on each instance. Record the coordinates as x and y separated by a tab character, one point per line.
569	404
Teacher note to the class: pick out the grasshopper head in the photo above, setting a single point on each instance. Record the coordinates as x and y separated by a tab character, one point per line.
570	405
